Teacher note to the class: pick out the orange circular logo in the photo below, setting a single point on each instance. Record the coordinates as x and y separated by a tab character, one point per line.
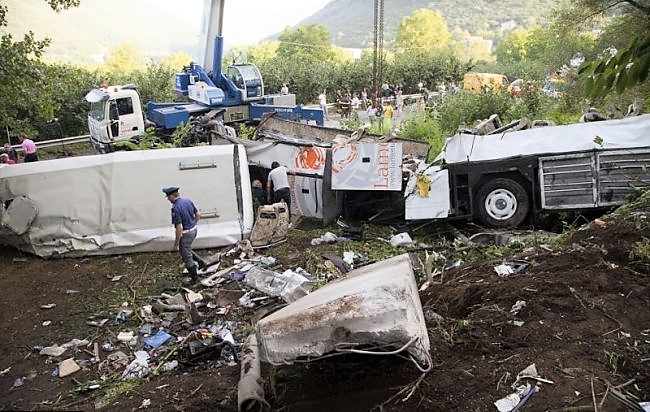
312	158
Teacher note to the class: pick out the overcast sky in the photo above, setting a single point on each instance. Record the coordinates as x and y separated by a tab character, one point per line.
246	21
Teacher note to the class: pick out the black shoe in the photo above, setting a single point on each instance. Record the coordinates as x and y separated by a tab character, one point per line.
199	260
193	274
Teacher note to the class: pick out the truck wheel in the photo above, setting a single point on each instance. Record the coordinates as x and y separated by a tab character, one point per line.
502	203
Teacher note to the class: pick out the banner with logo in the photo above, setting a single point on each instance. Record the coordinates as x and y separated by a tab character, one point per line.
367	166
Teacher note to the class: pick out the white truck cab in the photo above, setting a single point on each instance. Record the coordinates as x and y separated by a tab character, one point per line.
115	115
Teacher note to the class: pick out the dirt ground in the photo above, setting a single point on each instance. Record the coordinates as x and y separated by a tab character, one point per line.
586	326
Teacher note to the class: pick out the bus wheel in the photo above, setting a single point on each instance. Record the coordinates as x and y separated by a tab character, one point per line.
502	203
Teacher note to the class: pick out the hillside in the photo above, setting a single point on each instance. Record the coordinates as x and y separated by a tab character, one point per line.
350	21
80	34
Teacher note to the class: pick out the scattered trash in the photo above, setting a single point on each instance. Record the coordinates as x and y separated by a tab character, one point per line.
98	323
125	337
517	323
328	237
116	278
19	260
117	360
48	306
145	403
432	316
246	301
504	270
530	372
54	351
68	367
353	233
337	262
454	264
107	346
138	368
490	238
290	285
518	306
517	399
5	371
401	239
267	261
17	384
348	257
146	329
71	291
47	323
600	223
157	340
170	366
75	343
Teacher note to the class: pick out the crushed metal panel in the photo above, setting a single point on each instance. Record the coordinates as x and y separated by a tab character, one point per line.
568	181
619	171
375	305
432	205
367	166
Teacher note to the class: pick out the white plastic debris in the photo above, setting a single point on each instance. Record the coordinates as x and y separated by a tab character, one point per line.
290	285
138	368
125	337
47	323
145	403
518	306
170	366
348	257
53	351
68	367
328	237
504	270
530	372
401	239
75	343
48	306
509	403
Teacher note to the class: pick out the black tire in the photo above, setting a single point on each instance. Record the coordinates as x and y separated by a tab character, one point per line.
502	203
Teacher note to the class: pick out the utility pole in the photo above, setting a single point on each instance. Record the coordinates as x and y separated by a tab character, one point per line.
378	47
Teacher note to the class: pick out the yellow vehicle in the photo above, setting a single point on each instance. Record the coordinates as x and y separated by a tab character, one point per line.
475	82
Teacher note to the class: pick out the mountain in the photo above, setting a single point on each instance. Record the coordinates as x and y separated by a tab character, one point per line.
350	22
85	34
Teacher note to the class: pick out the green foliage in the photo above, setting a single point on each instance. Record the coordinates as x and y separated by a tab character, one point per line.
422	126
124	58
424	31
624	70
247	132
307	44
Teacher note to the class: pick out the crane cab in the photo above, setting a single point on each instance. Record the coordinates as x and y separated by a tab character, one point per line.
248	80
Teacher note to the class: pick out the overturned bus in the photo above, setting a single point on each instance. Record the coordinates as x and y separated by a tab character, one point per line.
503	179
109	204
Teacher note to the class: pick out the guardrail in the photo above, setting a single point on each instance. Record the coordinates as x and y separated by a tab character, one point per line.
56	142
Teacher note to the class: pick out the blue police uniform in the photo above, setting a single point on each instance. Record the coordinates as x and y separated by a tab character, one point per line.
184	213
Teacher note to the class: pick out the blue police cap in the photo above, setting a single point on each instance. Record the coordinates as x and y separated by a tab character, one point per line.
169	190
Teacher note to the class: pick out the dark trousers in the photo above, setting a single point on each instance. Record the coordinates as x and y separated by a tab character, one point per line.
285	195
31	157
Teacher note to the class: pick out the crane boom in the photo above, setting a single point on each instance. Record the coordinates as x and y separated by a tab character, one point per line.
211	29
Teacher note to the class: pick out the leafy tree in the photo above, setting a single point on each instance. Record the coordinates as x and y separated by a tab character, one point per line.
424	31
124	58
625	69
22	95
177	61
263	51
514	47
307	44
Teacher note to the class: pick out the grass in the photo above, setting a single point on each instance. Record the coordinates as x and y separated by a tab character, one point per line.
641	250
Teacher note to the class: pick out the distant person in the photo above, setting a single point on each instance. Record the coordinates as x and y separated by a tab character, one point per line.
399	102
185	217
4	159
29	148
278	185
322	102
388	118
284	89
364	97
10	152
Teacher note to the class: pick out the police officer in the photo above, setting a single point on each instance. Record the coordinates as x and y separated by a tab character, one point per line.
185	217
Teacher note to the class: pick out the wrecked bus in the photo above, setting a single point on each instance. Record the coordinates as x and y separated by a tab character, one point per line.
110	204
506	178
